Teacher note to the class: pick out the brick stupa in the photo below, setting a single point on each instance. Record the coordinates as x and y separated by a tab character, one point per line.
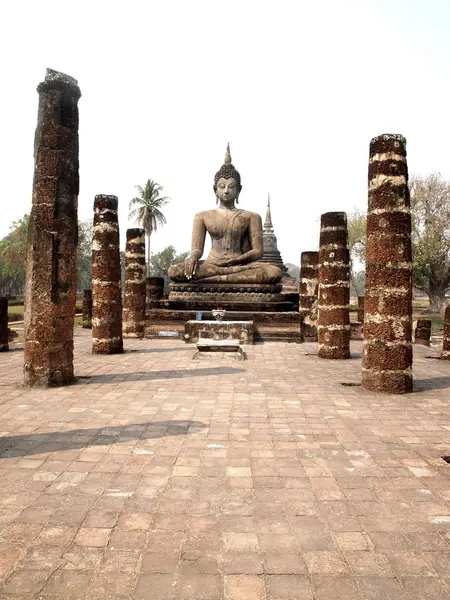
273	256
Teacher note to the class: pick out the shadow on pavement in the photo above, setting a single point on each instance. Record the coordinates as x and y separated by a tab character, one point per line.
149	375
79	439
152	350
432	383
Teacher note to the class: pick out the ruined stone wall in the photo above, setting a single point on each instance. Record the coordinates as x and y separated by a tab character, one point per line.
50	288
4	345
422	333
87	309
445	354
134	298
106	292
308	298
387	356
334	287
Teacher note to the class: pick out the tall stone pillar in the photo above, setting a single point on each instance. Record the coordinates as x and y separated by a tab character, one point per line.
422	333
87	309
4	343
135	285
106	291
50	288
387	355
309	284
445	354
334	287
360	311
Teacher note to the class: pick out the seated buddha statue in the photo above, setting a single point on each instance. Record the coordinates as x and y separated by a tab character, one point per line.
236	237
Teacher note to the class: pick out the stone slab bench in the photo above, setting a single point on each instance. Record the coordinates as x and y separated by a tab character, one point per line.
207	345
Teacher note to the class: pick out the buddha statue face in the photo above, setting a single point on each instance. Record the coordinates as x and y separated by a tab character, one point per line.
227	191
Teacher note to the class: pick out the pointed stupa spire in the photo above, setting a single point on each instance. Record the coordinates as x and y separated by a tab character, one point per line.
268	222
271	253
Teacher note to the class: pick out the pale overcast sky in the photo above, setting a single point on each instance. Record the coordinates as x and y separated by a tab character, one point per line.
297	87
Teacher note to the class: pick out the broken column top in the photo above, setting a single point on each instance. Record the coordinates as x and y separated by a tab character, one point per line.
386	142
52	75
389	137
60	81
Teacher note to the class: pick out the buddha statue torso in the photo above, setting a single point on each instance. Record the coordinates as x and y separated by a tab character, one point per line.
236	236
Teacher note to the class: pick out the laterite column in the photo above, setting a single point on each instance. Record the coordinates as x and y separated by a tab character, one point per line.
334	287
135	284
360	312
4	344
387	355
309	284
106	292
50	279
445	354
422	333
87	309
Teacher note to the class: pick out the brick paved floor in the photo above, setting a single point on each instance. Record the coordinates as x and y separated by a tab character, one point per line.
159	477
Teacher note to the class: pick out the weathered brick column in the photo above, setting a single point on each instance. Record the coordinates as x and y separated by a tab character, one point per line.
422	334
134	297
87	309
334	287
445	354
360	312
387	355
50	290
309	284
106	292
4	344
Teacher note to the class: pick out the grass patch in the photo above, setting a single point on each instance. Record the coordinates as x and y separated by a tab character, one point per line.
15	313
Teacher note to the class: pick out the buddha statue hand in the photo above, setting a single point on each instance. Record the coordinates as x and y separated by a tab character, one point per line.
190	267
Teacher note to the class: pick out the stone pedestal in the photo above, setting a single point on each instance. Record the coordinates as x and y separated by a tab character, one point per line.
445	354
309	285
4	345
422	333
154	291
334	287
268	326
87	309
219	330
50	291
387	355
209	296
106	292
133	314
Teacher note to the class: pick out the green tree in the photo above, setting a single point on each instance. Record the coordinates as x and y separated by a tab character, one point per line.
294	271
146	210
356	222
84	255
430	215
161	261
13	254
430	210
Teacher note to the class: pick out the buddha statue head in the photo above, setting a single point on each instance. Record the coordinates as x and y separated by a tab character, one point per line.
228	179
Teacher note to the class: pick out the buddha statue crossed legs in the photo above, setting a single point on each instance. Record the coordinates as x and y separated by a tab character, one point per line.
236	236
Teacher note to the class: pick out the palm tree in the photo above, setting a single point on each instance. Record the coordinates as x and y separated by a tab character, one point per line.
146	210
